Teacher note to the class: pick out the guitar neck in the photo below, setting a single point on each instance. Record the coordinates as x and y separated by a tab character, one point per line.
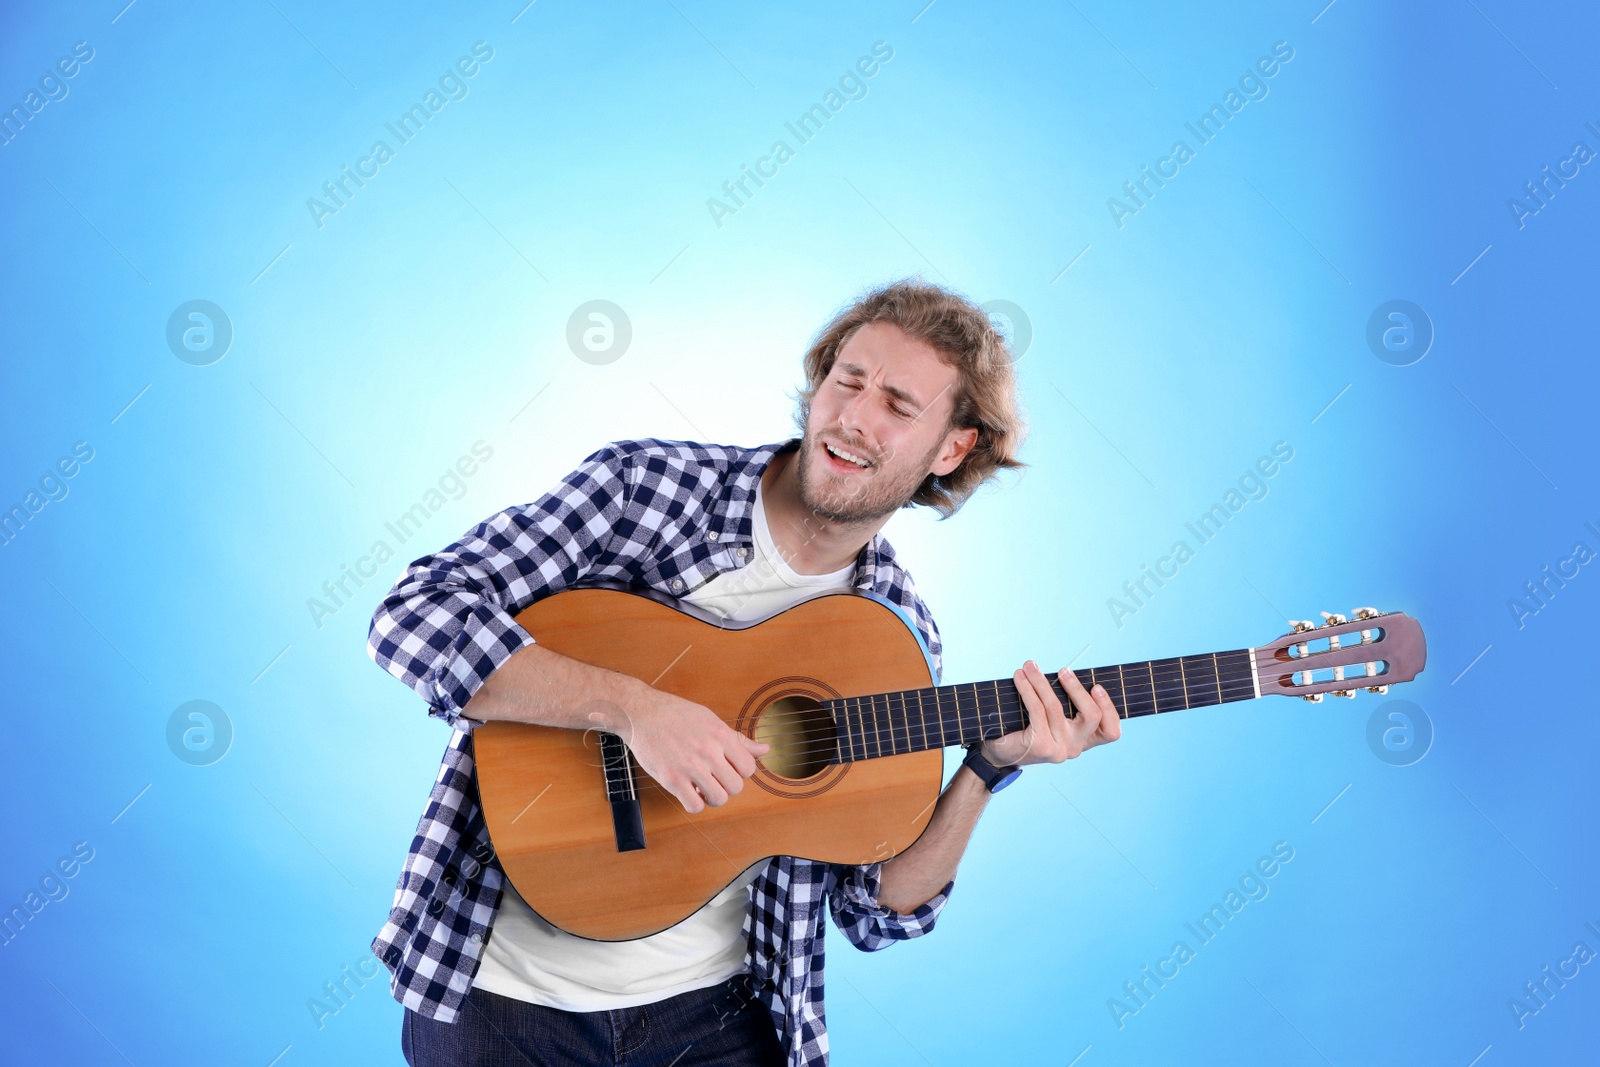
914	720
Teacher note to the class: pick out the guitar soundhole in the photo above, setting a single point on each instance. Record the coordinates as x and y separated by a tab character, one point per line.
801	734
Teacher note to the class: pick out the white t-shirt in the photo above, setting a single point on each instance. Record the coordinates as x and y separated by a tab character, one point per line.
528	959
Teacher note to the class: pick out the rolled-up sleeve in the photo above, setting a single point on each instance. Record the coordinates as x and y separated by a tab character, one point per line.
447	624
869	925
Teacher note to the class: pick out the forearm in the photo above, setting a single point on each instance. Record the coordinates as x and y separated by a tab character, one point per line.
537	685
915	875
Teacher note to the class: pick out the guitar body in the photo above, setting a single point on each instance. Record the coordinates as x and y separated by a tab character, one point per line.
544	791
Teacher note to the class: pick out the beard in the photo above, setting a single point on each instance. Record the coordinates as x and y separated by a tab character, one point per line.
853	499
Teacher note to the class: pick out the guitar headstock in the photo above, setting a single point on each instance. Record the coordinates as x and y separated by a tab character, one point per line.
1371	651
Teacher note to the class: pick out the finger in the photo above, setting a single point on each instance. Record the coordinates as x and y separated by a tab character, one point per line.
687	793
727	776
711	790
1111	719
743	760
1049	734
1036	703
1063	723
1081	700
1093	707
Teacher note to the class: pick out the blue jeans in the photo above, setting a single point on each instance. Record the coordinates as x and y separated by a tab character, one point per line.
724	1025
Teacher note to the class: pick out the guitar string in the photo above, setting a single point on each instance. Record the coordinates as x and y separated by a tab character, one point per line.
1003	703
1008	703
643	781
875	731
1161	684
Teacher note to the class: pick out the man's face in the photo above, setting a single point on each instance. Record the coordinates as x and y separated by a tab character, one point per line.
885	405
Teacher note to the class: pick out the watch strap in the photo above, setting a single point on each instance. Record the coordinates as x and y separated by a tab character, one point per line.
994	778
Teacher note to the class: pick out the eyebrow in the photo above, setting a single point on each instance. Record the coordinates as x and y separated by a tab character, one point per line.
857	371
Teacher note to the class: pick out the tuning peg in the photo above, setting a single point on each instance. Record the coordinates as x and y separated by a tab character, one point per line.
1300	626
1344	693
1315	698
1330	619
1367	613
1377	689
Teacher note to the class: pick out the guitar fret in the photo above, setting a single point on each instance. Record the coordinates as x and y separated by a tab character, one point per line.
1138	698
861	716
877	736
1167	684
1200	680
841	726
944	720
1216	668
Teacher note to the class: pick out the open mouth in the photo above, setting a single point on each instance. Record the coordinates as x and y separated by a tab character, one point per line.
843	460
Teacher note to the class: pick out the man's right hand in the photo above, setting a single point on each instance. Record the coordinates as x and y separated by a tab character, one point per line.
687	749
684	746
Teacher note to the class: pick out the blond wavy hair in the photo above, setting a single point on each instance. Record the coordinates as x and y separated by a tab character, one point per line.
965	337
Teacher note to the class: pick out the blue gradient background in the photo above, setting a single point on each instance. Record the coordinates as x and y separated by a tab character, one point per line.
431	311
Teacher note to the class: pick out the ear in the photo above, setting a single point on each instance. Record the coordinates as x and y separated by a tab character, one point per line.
957	443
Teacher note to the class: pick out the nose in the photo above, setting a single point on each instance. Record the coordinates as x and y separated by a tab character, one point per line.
853	415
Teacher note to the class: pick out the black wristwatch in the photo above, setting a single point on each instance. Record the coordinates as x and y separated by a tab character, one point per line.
994	778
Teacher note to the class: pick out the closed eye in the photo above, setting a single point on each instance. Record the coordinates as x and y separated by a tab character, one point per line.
895	407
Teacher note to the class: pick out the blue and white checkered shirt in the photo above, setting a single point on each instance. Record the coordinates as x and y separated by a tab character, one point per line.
667	514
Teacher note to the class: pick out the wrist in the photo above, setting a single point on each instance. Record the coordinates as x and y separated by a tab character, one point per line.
992	776
623	705
988	753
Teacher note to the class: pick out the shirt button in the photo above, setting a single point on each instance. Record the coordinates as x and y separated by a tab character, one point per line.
677	583
743	552
712	536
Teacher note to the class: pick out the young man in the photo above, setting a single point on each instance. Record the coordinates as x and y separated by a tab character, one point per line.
909	399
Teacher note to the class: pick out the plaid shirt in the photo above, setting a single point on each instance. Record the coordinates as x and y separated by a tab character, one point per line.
670	515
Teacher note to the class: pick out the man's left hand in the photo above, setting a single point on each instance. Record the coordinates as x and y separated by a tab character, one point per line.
1051	737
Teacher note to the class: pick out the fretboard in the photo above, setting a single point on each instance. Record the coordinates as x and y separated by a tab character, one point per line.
914	720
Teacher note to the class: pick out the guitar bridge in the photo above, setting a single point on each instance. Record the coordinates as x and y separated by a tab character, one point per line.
627	818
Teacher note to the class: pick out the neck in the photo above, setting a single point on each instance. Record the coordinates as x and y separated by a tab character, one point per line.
913	720
809	543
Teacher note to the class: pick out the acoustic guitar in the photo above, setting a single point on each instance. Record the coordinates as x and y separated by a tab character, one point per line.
841	688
